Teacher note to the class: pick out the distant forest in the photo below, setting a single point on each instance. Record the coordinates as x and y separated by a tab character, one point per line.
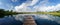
4	12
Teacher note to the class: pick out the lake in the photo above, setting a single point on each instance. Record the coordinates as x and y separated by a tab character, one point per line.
40	19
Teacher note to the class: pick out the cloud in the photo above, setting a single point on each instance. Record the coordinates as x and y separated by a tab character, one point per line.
50	8
24	7
47	8
34	2
42	6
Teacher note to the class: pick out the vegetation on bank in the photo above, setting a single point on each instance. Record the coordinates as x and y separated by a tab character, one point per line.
3	12
55	13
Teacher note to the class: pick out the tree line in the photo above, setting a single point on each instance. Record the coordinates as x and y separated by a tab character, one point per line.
4	12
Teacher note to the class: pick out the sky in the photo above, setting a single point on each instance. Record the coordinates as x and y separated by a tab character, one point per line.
30	5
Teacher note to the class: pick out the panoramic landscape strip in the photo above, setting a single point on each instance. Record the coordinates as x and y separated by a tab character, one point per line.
3	12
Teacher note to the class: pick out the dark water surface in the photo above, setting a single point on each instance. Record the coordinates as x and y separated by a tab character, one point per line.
41	19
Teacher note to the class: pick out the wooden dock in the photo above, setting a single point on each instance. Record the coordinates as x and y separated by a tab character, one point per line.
28	20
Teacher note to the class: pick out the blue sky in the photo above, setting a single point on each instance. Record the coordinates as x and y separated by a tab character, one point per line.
30	5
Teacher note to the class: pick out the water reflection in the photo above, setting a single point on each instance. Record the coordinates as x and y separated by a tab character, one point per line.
1	16
9	20
41	19
50	17
47	20
19	17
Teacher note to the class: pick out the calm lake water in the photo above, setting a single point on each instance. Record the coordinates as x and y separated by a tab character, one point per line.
40	19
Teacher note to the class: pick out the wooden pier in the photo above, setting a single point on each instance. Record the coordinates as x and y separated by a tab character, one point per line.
28	20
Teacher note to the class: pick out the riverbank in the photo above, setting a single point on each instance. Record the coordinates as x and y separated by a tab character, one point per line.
51	13
7	12
55	14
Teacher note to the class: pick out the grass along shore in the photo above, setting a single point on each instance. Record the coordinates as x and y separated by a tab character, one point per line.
55	14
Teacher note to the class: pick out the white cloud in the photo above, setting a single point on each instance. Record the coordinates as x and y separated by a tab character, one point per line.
50	8
24	7
34	2
43	3
42	6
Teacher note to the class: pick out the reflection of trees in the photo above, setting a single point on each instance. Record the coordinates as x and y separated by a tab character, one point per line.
1	16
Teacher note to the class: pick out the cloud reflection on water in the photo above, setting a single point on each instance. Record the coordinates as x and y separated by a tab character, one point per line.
37	16
50	17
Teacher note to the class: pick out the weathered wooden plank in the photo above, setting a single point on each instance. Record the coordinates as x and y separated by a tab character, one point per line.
28	20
